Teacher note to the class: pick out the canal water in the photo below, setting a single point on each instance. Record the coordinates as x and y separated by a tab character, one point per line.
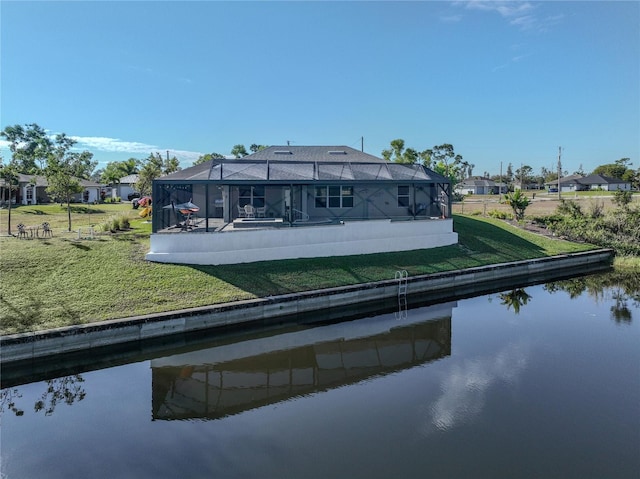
535	382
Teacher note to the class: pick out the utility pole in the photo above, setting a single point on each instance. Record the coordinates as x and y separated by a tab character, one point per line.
362	144
559	171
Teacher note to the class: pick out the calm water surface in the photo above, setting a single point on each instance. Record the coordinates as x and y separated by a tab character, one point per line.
537	382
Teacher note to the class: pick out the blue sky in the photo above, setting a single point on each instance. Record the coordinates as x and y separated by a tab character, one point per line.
503	82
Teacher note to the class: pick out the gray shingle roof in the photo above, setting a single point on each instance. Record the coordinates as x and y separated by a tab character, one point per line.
129	179
600	180
305	164
587	180
313	154
41	181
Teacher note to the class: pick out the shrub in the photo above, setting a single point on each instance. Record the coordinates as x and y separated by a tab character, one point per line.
596	209
115	224
570	208
125	223
501	215
622	198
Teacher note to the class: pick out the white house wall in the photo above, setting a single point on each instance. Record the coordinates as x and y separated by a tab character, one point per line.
350	238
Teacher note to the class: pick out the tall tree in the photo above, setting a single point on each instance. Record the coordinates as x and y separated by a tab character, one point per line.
208	157
398	154
579	171
614	170
154	167
255	148
446	161
116	170
238	151
65	169
509	173
30	147
9	179
470	167
524	174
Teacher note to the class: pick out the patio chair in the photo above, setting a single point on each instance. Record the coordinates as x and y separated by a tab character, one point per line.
241	212
22	231
46	230
261	212
250	211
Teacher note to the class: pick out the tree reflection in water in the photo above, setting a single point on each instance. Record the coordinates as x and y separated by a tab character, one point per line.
620	286
515	299
8	400
67	389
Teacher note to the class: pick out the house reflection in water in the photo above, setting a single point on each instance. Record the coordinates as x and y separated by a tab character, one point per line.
225	380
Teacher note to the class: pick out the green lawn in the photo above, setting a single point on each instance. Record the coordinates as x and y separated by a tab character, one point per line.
62	281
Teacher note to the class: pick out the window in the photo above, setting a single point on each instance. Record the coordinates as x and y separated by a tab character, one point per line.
403	196
251	195
334	196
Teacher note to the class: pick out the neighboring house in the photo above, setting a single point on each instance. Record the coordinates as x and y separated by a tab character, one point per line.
567	184
607	183
125	187
32	190
585	183
519	185
351	203
478	185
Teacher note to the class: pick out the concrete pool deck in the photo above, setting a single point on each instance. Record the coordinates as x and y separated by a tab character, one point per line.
436	287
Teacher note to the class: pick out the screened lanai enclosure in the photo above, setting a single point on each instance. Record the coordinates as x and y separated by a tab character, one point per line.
341	184
286	187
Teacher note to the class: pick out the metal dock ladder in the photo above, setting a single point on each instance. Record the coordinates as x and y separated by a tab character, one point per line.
401	278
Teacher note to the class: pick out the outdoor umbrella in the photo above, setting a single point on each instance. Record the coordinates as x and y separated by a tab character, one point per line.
188	207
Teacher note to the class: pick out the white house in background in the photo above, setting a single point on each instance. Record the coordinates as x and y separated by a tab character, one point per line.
125	188
591	182
32	190
479	185
567	184
607	183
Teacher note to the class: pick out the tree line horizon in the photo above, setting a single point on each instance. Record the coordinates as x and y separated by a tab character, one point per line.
36	153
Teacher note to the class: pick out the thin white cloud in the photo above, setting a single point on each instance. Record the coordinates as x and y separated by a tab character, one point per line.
102	143
523	15
507	9
116	145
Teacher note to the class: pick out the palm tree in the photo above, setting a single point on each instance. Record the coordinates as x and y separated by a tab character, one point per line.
518	202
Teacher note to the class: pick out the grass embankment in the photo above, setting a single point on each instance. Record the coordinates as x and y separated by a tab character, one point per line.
63	281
